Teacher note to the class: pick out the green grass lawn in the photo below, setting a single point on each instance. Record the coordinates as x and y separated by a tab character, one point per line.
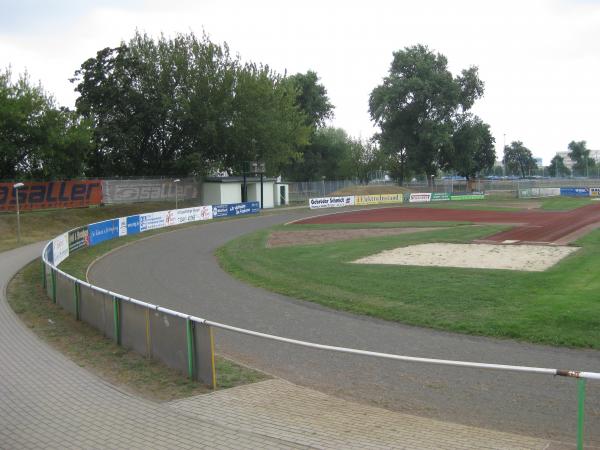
559	307
565	203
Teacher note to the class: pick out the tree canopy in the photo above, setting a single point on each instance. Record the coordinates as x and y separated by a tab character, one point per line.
418	105
185	106
557	167
38	139
580	155
518	159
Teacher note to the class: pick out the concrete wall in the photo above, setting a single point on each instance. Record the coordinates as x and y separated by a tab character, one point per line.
221	193
254	193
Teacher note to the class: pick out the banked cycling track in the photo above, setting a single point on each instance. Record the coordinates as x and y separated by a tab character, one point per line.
178	270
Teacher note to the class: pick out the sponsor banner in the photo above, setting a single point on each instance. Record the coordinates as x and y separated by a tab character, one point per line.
103	231
421	197
193	214
575	192
133	224
331	202
122	226
51	194
60	248
129	191
473	196
440	196
377	199
151	221
237	209
595	192
79	238
219	211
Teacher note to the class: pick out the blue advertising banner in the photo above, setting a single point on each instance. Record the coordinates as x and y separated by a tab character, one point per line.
575	192
103	231
133	224
219	211
237	209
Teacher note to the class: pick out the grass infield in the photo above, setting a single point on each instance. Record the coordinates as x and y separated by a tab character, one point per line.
558	307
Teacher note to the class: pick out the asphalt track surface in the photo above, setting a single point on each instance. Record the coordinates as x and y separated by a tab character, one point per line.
179	270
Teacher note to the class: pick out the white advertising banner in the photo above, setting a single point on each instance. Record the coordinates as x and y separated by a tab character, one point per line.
420	197
377	199
122	226
193	214
594	192
152	221
60	248
331	202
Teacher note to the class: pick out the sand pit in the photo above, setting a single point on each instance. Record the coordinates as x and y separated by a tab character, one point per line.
534	258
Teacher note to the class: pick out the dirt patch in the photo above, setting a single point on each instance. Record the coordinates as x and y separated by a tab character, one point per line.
291	238
531	258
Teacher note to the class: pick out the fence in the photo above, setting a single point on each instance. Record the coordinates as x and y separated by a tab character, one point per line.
185	342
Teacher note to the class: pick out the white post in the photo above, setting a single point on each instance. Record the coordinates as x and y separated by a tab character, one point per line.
16	187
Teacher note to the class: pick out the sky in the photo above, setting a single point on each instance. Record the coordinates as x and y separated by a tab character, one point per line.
540	60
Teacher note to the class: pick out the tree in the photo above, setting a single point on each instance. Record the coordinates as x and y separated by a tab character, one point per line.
472	151
311	98
580	155
38	139
184	106
518	159
417	105
557	167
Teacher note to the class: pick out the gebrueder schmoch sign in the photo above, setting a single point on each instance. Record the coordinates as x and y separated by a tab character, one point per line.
51	194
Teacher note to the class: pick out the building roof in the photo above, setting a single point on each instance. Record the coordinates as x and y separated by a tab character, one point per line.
238	180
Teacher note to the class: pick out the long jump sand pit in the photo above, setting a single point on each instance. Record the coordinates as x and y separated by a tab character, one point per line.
534	258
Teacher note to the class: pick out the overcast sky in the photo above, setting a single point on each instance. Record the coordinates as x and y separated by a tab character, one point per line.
540	60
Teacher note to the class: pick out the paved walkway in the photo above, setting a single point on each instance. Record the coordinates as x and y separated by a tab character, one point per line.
46	401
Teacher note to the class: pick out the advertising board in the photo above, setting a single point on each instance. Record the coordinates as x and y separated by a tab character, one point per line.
129	191
377	199
133	224
331	202
236	209
473	196
103	231
595	192
60	248
574	192
151	221
193	214
440	196
51	194
421	197
79	238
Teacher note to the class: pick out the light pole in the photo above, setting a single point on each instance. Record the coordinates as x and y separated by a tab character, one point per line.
176	180
16	187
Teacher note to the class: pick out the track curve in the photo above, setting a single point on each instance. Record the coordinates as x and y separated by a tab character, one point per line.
178	270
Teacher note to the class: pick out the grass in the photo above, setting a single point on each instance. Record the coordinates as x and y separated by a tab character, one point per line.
565	203
90	349
558	307
45	224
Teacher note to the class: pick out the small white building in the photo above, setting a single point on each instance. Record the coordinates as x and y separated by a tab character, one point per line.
222	190
281	194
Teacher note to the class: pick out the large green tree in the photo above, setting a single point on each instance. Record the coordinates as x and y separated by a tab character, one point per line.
472	151
37	138
557	167
184	106
580	155
311	97
417	105
518	159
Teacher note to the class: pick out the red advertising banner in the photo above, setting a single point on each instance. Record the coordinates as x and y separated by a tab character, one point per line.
51	194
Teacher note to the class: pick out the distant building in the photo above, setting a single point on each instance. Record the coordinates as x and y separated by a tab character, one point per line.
538	162
594	154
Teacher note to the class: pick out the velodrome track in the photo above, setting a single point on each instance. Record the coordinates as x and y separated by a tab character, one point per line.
178	270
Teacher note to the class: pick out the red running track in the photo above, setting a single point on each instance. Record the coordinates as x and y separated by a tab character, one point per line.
530	226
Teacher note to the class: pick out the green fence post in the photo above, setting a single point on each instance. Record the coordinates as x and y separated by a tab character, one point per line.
44	274
190	348
76	297
580	411
53	286
117	320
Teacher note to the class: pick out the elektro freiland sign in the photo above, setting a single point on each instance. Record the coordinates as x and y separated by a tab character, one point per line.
51	194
